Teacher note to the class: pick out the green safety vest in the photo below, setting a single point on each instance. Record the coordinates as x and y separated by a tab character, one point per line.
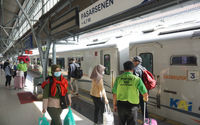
127	87
22	67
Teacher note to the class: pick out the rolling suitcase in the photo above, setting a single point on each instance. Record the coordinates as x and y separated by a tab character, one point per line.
148	121
18	82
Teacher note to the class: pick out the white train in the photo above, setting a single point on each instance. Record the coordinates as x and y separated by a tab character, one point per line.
173	56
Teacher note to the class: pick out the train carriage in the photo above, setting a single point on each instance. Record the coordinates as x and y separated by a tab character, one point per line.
174	61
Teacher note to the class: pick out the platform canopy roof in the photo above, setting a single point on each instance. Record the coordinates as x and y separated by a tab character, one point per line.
9	13
56	20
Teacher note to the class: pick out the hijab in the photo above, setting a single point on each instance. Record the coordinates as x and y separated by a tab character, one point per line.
97	73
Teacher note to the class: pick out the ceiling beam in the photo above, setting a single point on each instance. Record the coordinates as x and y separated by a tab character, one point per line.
12	20
28	19
4	30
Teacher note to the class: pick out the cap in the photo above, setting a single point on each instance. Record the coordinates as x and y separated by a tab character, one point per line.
137	58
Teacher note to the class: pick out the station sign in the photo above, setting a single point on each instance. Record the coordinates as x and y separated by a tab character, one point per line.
28	52
103	9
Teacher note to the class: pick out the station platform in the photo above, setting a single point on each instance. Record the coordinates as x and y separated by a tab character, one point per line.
12	112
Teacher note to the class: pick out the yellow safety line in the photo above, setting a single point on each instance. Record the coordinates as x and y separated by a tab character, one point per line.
84	97
151	115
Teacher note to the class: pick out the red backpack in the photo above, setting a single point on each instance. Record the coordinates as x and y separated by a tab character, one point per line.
148	79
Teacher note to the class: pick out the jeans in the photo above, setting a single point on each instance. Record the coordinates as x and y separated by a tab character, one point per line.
8	80
127	113
99	109
142	107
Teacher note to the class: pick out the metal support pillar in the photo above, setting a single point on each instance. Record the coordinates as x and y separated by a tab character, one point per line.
4	43
22	52
42	7
54	53
46	58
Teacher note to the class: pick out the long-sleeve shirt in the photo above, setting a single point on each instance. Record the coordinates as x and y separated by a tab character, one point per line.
7	71
51	101
138	70
97	89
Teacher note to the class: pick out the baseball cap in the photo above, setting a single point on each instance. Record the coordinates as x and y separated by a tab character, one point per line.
137	58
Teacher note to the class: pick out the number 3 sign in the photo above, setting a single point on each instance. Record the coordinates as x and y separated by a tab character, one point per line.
193	75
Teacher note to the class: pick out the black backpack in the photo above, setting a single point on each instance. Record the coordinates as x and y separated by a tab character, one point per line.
78	73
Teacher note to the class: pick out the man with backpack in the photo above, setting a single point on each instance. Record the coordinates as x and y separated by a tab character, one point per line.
74	74
126	95
138	71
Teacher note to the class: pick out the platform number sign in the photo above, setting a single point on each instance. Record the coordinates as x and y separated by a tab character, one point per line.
193	75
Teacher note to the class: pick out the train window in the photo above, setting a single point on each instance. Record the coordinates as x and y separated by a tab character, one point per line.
107	64
61	62
33	61
147	61
184	60
38	61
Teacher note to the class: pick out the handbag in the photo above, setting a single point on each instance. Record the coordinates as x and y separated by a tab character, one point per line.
108	118
63	103
43	121
69	118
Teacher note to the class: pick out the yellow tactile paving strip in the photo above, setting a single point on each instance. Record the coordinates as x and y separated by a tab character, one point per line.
168	121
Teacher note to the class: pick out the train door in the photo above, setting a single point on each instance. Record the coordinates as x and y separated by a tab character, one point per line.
110	61
149	55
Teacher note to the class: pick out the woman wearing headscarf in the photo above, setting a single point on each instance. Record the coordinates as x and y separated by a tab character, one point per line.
97	92
54	87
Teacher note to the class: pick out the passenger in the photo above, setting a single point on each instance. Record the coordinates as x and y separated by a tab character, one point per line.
22	67
138	71
52	93
97	92
72	75
126	95
5	64
8	74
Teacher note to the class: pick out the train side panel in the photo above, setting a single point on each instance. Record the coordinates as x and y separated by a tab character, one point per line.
175	64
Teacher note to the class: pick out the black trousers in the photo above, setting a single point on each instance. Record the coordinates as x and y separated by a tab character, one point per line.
25	74
127	113
142	107
99	109
8	80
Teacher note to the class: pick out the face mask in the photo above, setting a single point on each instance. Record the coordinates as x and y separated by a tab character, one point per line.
57	74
